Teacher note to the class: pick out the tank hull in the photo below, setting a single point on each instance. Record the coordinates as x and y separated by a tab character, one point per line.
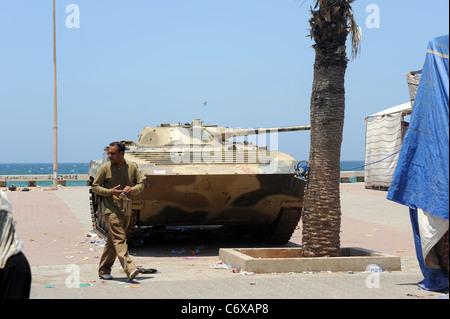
244	199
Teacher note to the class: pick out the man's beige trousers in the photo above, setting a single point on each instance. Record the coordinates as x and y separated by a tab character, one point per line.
116	245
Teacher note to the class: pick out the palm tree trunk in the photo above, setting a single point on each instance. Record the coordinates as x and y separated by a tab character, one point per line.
322	210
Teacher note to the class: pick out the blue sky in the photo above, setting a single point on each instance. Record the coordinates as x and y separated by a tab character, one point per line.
140	63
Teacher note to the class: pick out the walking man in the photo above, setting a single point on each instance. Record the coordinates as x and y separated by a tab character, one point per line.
116	182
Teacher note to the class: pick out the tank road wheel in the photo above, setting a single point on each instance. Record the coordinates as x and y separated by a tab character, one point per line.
98	223
281	230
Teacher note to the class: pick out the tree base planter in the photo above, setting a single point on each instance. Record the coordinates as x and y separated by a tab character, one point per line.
269	260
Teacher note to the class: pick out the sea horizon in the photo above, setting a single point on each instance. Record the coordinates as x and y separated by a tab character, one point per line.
83	168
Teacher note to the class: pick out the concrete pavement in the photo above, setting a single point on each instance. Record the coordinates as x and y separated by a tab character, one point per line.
53	225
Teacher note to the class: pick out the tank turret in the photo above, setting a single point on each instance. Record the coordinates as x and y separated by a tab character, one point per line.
197	134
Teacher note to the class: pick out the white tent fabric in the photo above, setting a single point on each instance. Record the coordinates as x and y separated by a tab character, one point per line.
383	138
431	229
396	109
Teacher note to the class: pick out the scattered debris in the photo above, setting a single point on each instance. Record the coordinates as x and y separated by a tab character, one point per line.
415	295
183	250
220	265
190	257
147	270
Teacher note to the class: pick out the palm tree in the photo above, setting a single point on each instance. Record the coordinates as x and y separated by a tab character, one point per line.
331	22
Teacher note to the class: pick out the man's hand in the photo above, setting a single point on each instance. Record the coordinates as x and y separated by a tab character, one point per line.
116	191
127	190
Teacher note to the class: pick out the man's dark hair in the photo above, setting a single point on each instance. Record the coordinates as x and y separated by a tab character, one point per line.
120	146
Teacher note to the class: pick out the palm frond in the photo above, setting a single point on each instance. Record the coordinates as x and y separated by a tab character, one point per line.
354	32
335	12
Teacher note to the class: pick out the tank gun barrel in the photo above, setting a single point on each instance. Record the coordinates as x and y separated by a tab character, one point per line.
231	132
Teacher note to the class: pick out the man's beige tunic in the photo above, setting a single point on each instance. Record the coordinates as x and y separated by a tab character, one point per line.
117	212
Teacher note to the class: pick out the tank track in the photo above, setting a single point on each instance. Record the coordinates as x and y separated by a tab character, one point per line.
282	229
98	225
131	226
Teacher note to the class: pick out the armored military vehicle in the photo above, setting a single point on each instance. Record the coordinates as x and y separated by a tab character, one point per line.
199	174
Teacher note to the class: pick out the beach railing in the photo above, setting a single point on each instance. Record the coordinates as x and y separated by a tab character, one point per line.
345	177
33	179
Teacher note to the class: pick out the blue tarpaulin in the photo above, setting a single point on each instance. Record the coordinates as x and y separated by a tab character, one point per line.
421	177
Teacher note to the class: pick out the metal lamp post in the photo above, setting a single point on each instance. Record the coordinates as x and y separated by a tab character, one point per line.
55	117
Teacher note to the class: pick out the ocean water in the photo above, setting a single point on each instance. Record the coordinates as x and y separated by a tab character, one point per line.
352	165
83	168
44	169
